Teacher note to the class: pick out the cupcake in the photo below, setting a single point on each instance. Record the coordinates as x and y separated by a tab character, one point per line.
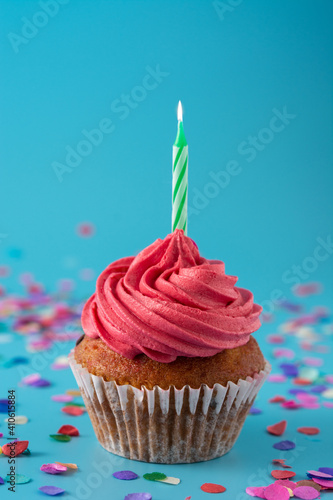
167	367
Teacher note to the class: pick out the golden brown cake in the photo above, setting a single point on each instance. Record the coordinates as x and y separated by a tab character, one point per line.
228	365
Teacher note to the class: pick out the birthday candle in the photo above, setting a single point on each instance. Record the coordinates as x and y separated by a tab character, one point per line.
179	176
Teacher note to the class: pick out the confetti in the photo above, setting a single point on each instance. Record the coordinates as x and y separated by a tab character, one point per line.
85	229
73	392
325	483
154	476
125	475
75	411
170	480
51	490
53	468
306	493
1	480
19	420
275	339
281	461
62	398
327	470
277	399
138	496
291	405
310	431
277	378
276	492
254	411
319	474
18	478
283	474
69	430
14	448
60	437
255	491
308	482
212	488
69	466
328	394
277	429
286	483
284	445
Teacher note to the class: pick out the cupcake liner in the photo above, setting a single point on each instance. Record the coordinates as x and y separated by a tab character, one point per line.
167	426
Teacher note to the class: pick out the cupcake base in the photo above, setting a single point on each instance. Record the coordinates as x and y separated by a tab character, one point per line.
167	426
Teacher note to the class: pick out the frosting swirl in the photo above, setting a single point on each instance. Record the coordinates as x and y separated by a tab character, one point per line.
168	301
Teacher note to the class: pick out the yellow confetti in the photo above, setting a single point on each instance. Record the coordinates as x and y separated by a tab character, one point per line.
73	392
70	466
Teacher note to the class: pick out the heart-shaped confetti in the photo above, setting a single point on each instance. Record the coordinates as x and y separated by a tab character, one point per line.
283	474
277	429
69	430
14	448
74	411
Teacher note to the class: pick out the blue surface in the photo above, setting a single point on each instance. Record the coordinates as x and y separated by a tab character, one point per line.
266	220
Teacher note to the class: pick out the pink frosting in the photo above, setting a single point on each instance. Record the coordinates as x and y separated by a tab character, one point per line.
168	301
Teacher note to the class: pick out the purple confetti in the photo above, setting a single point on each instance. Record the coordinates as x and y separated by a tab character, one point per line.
42	382
125	474
326	470
289	369
318	389
284	445
1	480
53	468
51	490
319	474
138	496
255	411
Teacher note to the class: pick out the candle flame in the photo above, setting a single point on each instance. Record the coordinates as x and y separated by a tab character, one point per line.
180	112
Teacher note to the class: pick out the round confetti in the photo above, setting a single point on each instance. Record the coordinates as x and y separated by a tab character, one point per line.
283	474
51	490
53	468
19	420
212	488
126	475
306	493
154	476
308	482
62	398
310	431
319	474
286	483
284	445
325	483
276	492
138	496
74	411
327	470
18	478
255	491
85	229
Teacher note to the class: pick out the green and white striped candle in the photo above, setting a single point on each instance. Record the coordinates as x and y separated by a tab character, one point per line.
179	176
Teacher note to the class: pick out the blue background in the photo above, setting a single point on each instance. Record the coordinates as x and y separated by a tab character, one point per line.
230	74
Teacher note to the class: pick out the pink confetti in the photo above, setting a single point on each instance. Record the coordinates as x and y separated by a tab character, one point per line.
62	398
87	274
53	468
307	289
313	361
290	405
283	352
306	492
288	484
276	377
275	339
256	491
329	379
328	404
318	474
276	492
325	483
31	379
85	229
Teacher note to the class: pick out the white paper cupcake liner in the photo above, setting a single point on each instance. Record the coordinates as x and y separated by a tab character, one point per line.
167	426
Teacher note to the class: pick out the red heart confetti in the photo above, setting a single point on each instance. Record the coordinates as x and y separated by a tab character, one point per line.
277	399
69	430
212	488
277	429
15	448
